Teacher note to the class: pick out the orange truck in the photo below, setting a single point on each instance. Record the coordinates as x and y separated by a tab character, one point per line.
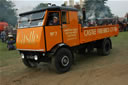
54	34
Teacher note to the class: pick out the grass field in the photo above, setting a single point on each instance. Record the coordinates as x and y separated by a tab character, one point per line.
88	70
8	57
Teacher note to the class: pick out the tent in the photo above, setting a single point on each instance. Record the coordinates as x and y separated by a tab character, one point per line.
3	25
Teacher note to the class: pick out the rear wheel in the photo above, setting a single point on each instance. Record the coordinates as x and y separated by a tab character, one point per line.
62	61
31	63
105	47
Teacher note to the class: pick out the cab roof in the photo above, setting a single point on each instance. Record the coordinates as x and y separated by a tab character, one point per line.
52	8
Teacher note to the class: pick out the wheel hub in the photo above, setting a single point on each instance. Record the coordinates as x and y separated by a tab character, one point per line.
65	61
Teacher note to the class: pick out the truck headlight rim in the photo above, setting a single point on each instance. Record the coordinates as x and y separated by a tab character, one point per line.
36	57
22	56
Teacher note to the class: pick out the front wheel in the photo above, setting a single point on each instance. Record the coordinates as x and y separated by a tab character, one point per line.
30	62
62	61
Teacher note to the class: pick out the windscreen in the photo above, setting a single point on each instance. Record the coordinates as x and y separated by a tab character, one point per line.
31	20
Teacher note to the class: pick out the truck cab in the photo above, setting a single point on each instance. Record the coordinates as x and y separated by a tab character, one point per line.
37	31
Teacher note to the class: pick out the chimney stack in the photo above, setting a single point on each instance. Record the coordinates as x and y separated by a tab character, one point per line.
71	3
81	3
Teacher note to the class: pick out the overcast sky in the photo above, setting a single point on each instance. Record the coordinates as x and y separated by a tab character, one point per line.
118	7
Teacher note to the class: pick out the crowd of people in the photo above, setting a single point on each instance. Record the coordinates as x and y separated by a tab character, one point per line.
123	25
9	38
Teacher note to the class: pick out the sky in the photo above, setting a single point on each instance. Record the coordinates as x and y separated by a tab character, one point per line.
118	7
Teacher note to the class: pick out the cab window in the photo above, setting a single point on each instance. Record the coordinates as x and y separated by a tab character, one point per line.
65	18
31	20
53	19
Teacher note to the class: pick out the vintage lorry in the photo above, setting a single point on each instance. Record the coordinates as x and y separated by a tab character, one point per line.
38	40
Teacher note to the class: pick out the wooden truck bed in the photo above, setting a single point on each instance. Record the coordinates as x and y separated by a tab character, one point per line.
89	34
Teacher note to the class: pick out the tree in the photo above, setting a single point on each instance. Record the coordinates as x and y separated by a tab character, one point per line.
41	6
65	3
8	12
97	9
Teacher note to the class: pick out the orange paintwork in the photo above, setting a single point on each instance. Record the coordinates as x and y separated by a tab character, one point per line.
71	34
53	36
71	30
99	32
30	39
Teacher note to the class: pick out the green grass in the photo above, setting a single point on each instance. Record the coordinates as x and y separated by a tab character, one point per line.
10	57
7	57
122	39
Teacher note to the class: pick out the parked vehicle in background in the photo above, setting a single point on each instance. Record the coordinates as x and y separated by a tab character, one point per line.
3	25
123	24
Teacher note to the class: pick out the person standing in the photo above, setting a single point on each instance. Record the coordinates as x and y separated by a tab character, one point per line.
3	36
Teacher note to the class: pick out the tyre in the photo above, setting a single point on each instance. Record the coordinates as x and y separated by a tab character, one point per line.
105	47
62	60
30	63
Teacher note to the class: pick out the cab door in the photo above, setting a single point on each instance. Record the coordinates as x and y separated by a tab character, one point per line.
70	28
53	32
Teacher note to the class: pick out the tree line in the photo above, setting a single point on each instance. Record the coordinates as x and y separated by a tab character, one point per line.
95	8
